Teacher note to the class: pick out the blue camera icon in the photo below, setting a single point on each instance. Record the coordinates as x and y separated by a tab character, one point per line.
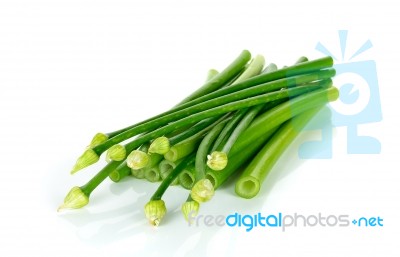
358	104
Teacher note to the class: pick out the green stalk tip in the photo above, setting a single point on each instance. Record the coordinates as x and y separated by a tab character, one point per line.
155	210
202	191
190	210
88	158
137	159
98	139
138	173
160	145
217	160
75	199
116	153
115	176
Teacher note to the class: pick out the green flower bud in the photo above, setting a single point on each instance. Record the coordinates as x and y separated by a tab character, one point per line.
190	210
116	153
137	159
202	191
88	158
75	199
98	139
138	173
217	160
160	145
115	176
155	211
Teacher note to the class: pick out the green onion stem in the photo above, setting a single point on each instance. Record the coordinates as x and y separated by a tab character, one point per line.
120	172
187	177
302	59
202	127
100	137
297	69
219	110
166	167
221	78
219	156
155	159
216	81
270	68
299	103
229	94
282	113
246	119
243	124
229	127
182	149
172	176
203	149
139	174
263	127
253	176
211	74
219	159
254	68
152	174
229	83
88	188
163	145
217	178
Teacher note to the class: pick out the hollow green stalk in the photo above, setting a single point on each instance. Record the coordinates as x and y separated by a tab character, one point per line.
251	179
166	167
139	174
120	172
187	177
152	174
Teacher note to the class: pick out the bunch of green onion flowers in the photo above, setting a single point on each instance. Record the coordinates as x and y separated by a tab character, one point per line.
241	120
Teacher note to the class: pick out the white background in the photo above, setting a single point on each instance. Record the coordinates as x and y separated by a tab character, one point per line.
69	69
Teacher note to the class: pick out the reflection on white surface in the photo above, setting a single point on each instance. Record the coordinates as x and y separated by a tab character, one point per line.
115	214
